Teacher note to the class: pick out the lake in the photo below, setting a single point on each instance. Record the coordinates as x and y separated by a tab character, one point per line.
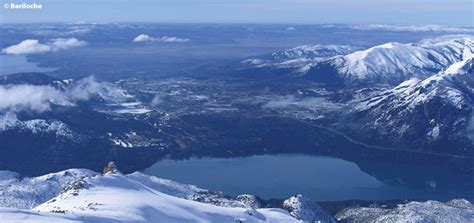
318	177
18	63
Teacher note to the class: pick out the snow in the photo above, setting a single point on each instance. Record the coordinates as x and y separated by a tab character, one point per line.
392	62
300	58
393	109
434	133
461	67
136	111
312	51
29	192
305	210
85	196
117	197
79	195
429	211
9	121
20	215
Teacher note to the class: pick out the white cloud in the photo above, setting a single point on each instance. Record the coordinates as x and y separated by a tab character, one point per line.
165	39
143	38
28	46
172	39
40	98
28	97
62	44
32	46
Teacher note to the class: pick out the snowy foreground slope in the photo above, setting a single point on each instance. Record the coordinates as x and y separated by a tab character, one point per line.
84	196
79	195
430	211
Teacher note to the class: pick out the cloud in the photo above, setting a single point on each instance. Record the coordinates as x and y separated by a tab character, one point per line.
33	46
165	39
157	100
28	46
40	98
28	97
143	38
62	44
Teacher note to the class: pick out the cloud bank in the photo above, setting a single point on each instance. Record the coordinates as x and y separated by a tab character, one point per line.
25	97
165	39
33	46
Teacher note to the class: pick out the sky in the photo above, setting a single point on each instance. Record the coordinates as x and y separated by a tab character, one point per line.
401	12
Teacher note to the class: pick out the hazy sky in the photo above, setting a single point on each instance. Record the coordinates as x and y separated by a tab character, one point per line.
444	12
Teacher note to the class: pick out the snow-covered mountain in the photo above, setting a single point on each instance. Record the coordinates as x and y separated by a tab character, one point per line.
458	210
312	51
79	195
298	60
392	63
387	64
433	112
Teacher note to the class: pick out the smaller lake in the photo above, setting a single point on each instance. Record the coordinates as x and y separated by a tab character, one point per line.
318	177
10	64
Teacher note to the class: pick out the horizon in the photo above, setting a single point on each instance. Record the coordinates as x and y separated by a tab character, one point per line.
245	23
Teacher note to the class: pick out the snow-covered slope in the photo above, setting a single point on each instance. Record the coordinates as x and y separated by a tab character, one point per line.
26	193
298	60
312	51
387	64
117	197
414	212
436	109
85	196
394	62
306	210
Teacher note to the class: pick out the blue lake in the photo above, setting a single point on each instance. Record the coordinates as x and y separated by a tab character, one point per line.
18	63
318	177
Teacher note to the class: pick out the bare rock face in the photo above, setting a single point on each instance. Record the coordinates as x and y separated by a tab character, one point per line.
110	168
251	200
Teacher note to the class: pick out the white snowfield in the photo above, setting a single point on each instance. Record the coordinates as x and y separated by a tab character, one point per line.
455	211
392	62
447	84
90	197
392	109
79	195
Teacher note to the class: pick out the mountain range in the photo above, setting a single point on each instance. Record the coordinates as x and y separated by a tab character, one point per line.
387	64
435	113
